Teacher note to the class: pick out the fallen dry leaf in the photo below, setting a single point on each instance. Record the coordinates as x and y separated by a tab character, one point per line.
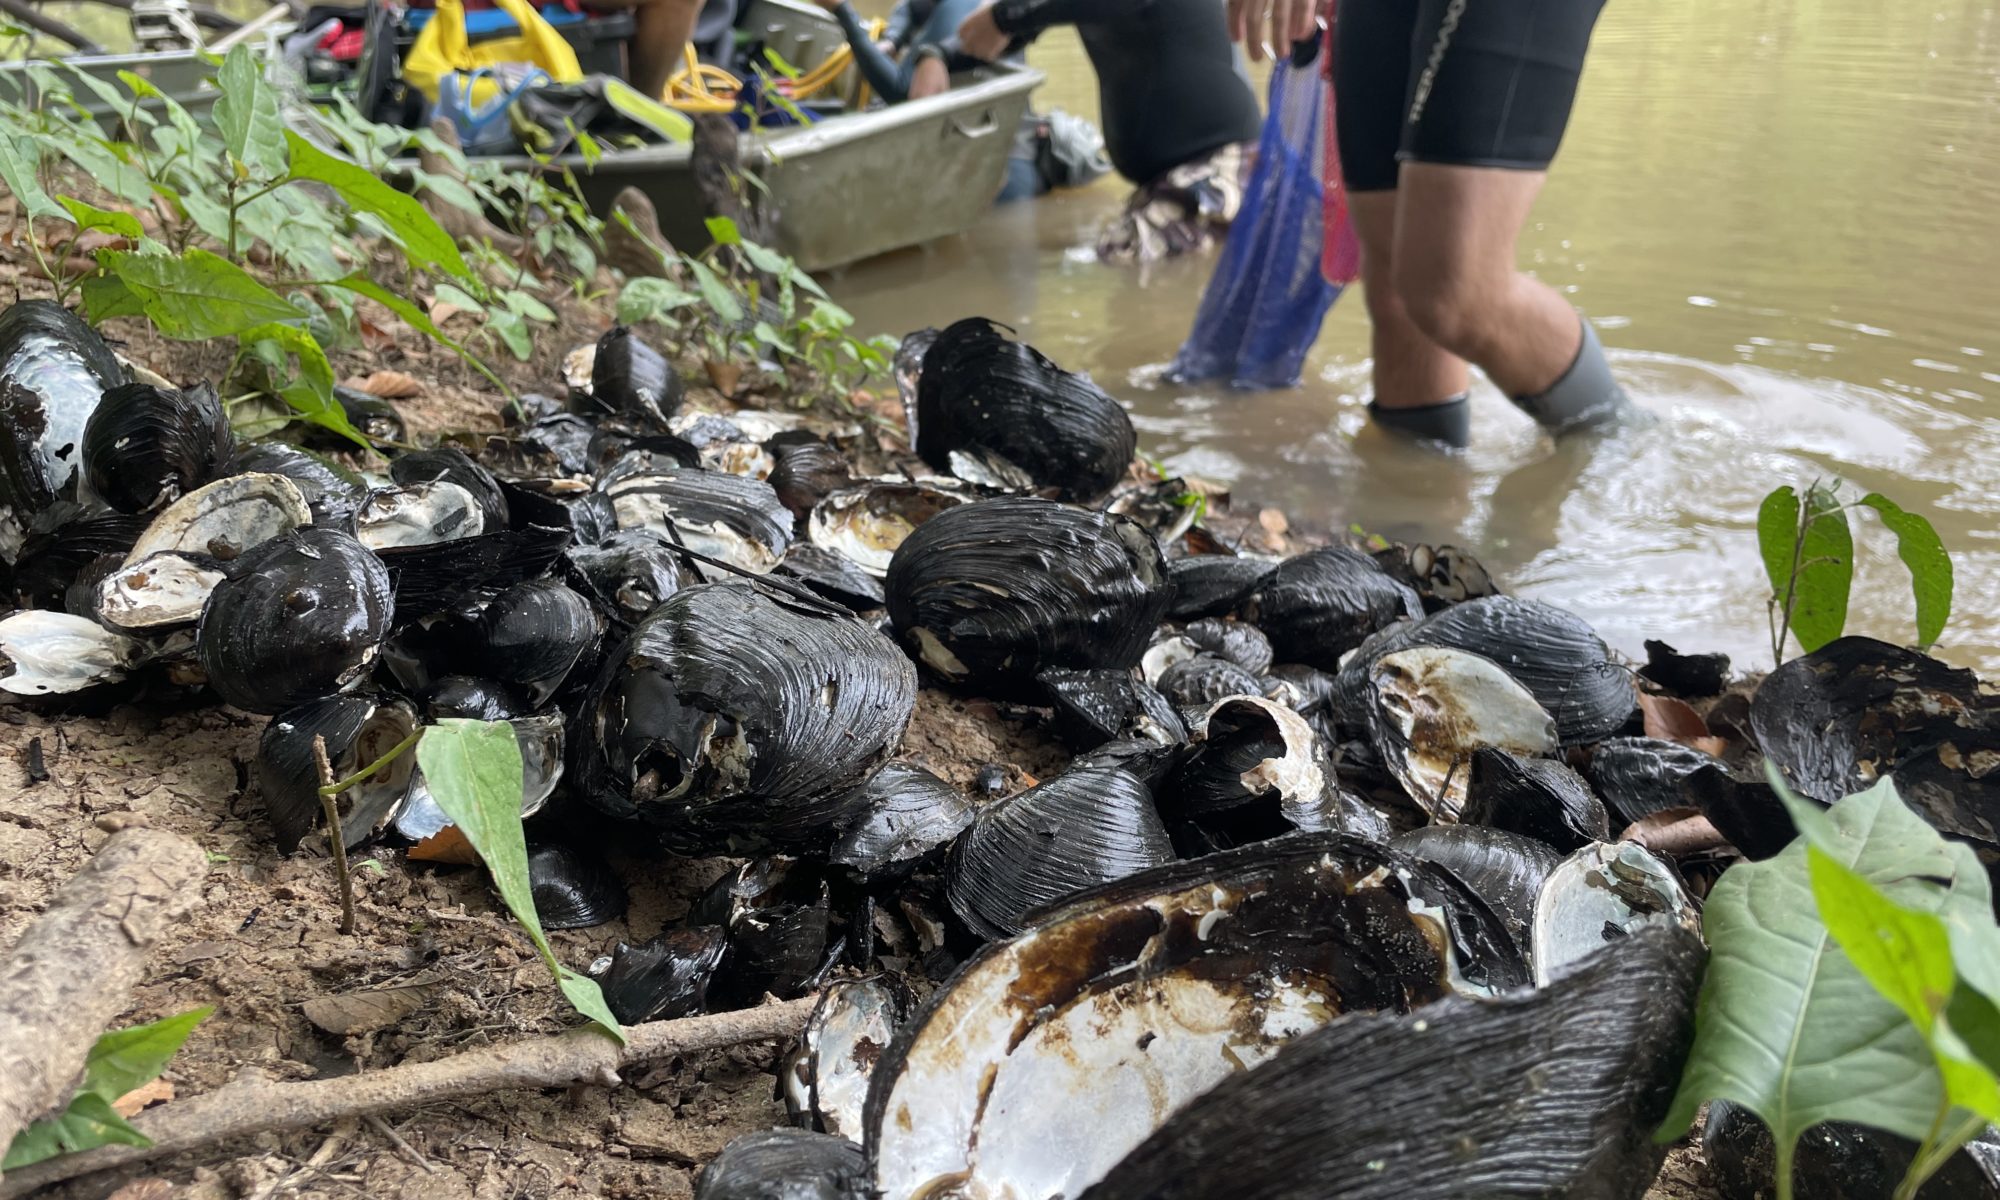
724	375
144	1189
129	1104
371	1009
392	385
1676	832
373	336
1674	721
447	845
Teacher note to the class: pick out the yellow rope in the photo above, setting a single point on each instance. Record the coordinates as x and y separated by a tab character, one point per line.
704	87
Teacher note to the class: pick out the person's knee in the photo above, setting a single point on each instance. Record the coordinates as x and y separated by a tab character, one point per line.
1453	307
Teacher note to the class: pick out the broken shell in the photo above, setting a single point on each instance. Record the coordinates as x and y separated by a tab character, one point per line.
418	514
831	576
1250	751
825	1079
661	979
865	524
1600	895
54	370
358	730
226	518
1318	606
453	466
903	816
159	591
628	574
1536	797
1506	870
52	653
1433	707
1095	707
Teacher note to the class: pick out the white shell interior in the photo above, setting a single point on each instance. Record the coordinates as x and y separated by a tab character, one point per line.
1600	894
1446	704
418	515
226	518
58	652
166	589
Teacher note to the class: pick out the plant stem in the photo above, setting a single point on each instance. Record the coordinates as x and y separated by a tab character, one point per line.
335	836
1782	1166
1792	583
329	788
1936	1151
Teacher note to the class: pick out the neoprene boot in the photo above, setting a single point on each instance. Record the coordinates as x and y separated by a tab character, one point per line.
1448	422
1586	397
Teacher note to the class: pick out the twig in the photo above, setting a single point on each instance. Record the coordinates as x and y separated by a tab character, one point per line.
329	800
255	1104
29	15
328	787
382	1127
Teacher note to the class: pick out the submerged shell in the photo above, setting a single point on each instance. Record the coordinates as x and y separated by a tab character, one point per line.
826	1079
301	618
994	411
1432	708
902	817
1601	895
358	730
419	514
1536	797
53	371
1129	1001
145	447
661	979
573	888
728	517
785	1164
1095	707
1318	606
865	524
628	574
734	719
159	591
1604	1048
50	653
993	593
1088	826
226	518
535	633
1213	585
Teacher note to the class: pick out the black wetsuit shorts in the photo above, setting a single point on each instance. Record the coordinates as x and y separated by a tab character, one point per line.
1477	83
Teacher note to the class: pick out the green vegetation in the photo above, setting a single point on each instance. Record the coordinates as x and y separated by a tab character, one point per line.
1808	552
121	1061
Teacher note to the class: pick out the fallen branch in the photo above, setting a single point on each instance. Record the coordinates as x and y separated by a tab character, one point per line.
74	968
253	1104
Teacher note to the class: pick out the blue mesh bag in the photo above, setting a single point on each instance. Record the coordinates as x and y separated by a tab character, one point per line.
1264	304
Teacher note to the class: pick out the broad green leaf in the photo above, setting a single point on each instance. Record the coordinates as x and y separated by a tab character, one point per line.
93	156
125	1058
309	391
1814	574
449	190
512	331
197	295
89	216
716	293
473	770
723	232
424	242
105	296
87	1123
650	298
246	114
107	95
523	304
1922	551
18	159
458	298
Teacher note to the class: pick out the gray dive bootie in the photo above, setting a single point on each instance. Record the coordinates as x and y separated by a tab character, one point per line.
1448	422
1586	397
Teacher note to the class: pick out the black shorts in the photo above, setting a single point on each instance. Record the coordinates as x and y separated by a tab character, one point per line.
1476	83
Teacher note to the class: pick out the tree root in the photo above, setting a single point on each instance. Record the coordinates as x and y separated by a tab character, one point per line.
253	1104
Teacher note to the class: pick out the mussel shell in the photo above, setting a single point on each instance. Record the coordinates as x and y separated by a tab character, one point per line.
1318	606
1504	869
473	699
65	538
1312	690
540	741
144	446
995	592
535	633
773	951
419	514
728	517
1083	828
825	1079
1601	895
1604	1046
301	617
572	887
865	524
1240	643
1442	575
831	576
375	417
1432	708
1693	675
437	576
226	519
551	504
454	466
1130	1000
734	719
1202	680
1097	706
1834	1160
1535	797
54	369
357	730
51	653
907	366
785	1164
630	378
1247	750
662	979
804	472
159	591
1214	585
331	491
903	817
1639	776
563	439
628	574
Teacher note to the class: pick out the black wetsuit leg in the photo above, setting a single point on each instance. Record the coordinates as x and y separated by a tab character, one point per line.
1479	83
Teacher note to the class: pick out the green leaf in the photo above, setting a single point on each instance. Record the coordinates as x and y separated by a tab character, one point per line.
417	318
723	232
1922	551
1811	576
449	190
19	158
512	331
650	298
715	293
458	298
107	170
87	1123
473	770
309	391
424	241
246	114
89	216
125	1058
522	304
105	296
197	295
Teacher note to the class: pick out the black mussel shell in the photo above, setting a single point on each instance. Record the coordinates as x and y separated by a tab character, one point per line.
332	491
733	719
908	367
357	730
453	465
832	576
529	407
628	574
1214	585
300	618
1685	674
865	524
1312	690
440	575
1081	829
759	883
733	518
1202	680
825	1079
553	504
1318	606
145	446
1247	750
665	978
1240	643
620	446
474	699
54	369
62	540
572	887
1153	762
535	634
1834	1160
805	472
1535	797
375	417
995	592
563	439
422	652
1639	776
82	595
630	378
1506	870
1131	999
993	411
1095	707
1605	1044
903	817
785	1164
774	951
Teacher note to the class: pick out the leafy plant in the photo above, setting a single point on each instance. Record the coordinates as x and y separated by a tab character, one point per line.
1808	551
120	1062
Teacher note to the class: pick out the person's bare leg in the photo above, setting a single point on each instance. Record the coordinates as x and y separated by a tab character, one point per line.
660	32
1411	370
931	78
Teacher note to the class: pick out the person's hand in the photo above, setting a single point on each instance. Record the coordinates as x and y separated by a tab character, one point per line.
1267	28
980	36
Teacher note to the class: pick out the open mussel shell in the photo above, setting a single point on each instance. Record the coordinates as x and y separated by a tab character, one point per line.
331	491
1333	1112
1506	870
777	951
662	979
1093	707
440	575
993	411
64	540
1835	1160
1535	797
535	633
630	378
227	518
785	1164
1128	1001
301	617
825	1079
1250	751
1083	828
902	817
803	473
734	719
728	517
454	466
539	738
1198	682
1318	606
1431	708
1600	895
144	447
159	591
54	370
865	524
995	592
1213	585
51	653
831	576
1639	776
419	514
357	730
628	574
572	887
1239	642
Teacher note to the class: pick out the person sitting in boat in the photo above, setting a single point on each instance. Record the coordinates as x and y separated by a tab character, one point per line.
918	49
1178	112
661	30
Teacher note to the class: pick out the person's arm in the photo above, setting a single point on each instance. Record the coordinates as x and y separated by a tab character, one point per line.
881	71
998	27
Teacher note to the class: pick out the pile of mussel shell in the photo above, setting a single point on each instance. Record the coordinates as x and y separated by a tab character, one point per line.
1335	867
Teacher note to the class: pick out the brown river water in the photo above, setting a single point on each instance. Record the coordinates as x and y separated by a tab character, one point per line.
1778	213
